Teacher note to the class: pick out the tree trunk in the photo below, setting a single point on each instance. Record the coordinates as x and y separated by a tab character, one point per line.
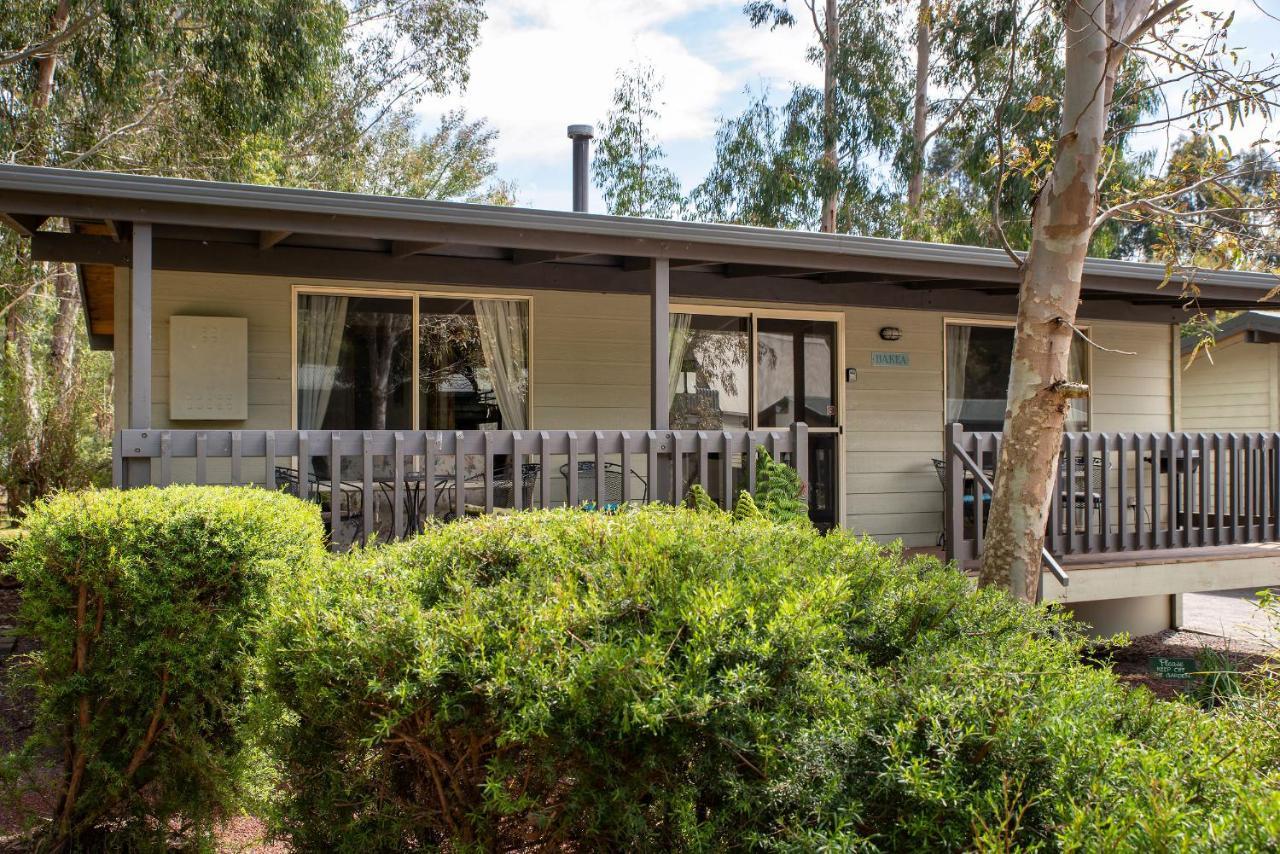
25	453
830	154
1039	390
919	128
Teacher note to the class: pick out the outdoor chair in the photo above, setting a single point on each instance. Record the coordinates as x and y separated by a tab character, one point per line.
350	496
613	479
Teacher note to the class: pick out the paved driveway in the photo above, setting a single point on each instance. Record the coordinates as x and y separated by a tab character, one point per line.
1232	614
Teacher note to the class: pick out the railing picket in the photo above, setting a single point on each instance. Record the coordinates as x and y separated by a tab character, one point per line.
1069	508
1219	487
459	475
601	463
677	469
304	465
627	489
236	479
1123	490
726	470
1236	530
432	441
1202	480
368	497
1135	537
1251	488
704	458
269	451
166	458
652	439
337	535
517	470
751	463
398	489
544	469
488	471
571	484
202	458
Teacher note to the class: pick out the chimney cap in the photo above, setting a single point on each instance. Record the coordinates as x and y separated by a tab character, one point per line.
582	132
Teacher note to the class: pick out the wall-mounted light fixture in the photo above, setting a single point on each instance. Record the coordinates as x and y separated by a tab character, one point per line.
890	333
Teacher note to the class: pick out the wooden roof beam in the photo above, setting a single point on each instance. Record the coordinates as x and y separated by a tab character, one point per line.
538	256
267	239
24	224
409	248
636	263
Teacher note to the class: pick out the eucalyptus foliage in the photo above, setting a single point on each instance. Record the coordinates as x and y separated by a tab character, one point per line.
665	679
628	164
142	603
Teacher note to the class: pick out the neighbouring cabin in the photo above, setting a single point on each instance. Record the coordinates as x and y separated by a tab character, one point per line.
396	359
1235	384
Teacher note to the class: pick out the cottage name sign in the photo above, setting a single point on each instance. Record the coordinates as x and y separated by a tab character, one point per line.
891	360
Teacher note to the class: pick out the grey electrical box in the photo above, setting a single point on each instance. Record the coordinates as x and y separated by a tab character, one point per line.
208	368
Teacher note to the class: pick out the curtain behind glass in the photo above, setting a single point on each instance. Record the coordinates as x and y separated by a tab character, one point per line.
321	320
504	334
957	359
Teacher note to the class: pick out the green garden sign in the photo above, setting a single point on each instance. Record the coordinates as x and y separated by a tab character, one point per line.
1173	668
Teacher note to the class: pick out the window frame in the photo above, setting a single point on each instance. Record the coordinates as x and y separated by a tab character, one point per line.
752	313
993	322
415	297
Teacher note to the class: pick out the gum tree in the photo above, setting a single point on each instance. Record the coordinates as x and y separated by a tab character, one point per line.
1184	55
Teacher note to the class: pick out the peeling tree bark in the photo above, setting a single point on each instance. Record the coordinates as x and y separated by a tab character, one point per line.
1039	390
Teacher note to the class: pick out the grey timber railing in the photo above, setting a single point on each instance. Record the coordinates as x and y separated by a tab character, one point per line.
1127	492
389	483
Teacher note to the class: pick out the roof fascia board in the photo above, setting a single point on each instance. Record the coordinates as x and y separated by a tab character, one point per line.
40	190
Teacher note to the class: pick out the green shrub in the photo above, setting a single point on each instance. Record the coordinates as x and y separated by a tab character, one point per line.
663	679
140	602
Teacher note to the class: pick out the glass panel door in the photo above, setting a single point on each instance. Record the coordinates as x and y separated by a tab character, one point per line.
796	367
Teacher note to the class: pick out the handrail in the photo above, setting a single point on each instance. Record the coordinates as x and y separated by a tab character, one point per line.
387	483
1054	567
1126	492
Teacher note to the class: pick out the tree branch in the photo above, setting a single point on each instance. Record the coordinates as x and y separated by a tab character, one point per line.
47	46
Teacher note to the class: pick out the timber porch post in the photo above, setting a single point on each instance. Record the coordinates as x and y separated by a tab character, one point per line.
659	273
660	346
137	472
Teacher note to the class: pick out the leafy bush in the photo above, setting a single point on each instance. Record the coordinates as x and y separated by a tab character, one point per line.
665	679
140	601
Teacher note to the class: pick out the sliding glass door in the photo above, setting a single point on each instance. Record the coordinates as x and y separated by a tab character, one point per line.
762	370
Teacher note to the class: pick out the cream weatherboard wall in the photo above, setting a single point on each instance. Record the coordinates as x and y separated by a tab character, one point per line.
589	360
1238	390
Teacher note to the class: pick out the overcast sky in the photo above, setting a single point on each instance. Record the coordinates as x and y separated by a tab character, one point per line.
544	64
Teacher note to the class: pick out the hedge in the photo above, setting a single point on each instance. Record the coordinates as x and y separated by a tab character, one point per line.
666	679
141	602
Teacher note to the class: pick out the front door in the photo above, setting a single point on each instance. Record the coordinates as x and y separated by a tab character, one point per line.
717	383
796	365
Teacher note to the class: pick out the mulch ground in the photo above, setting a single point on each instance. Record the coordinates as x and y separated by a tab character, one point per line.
1133	662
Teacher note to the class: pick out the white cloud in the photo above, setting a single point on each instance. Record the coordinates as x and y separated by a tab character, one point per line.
544	64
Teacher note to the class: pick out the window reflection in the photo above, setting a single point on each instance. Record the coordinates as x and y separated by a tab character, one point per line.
474	364
709	372
796	361
979	359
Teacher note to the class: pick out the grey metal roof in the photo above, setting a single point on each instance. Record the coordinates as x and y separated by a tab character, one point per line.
1258	327
165	199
